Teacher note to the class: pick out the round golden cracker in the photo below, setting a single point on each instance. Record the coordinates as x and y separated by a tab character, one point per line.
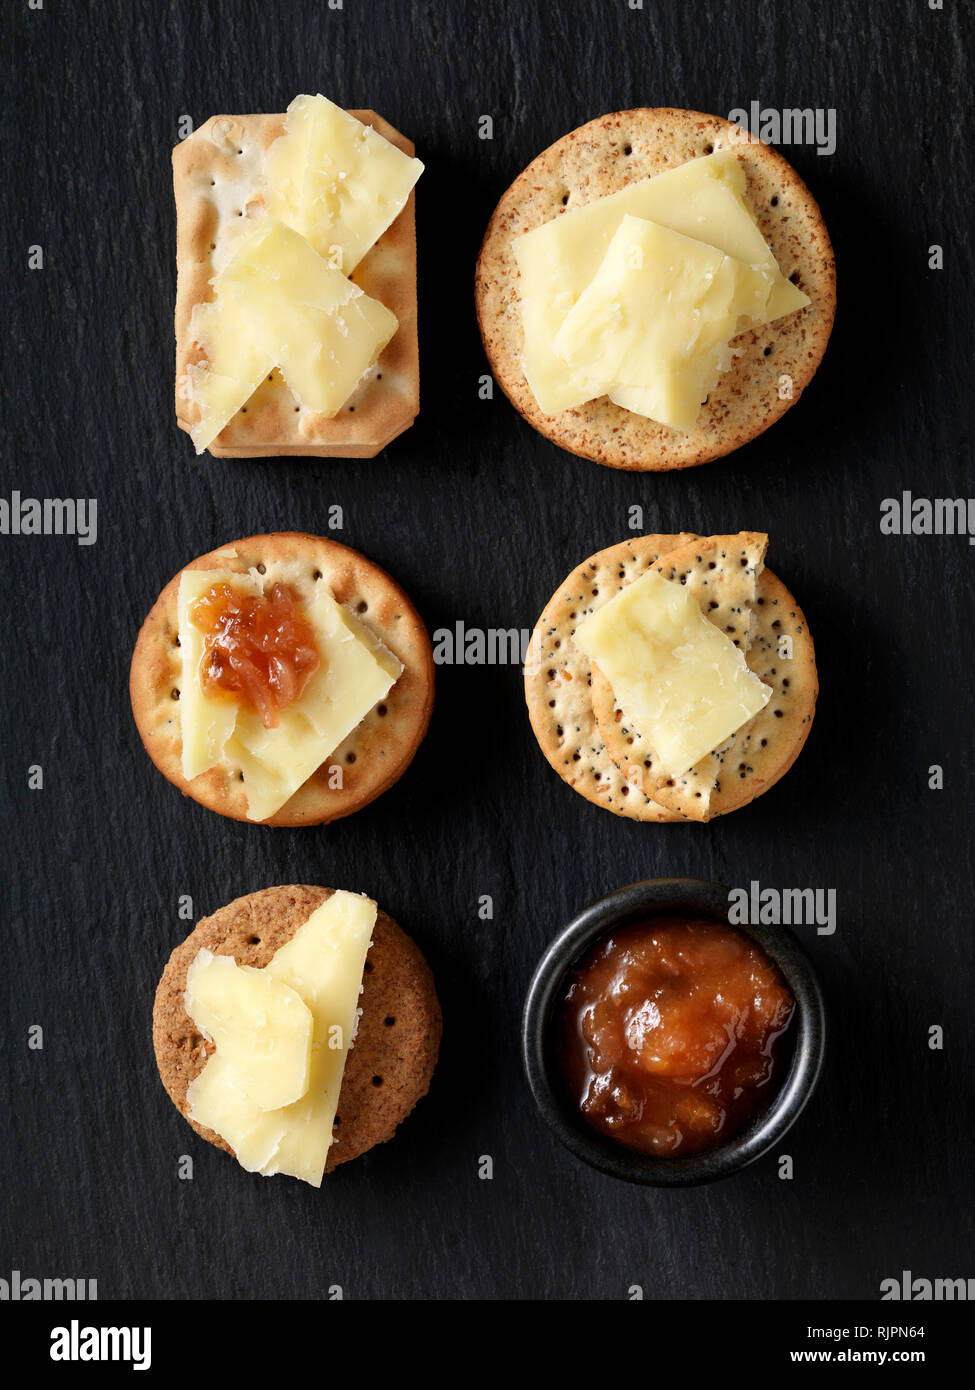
379	749
773	364
391	1062
558	679
760	752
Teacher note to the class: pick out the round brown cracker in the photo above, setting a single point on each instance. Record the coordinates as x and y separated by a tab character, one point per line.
601	158
760	752
558	679
379	749
399	1030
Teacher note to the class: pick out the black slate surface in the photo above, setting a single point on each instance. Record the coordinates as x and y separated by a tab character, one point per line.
480	519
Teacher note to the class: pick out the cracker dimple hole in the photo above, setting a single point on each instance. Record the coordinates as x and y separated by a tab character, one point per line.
775	200
388	1021
709	149
382	711
627	149
361	606
768	353
368	967
377	1081
254	941
174	693
261	568
316	574
565	199
350	757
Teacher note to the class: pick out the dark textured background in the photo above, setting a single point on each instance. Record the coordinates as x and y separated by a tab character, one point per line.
480	519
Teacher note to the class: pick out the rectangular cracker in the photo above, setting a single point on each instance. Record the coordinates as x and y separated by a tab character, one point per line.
217	176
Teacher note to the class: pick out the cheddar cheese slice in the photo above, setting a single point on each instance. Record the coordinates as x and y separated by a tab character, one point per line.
323	964
355	672
277	303
336	181
703	199
675	675
260	1025
654	324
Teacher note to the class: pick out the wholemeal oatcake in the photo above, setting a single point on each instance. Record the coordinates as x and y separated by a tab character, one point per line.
773	365
778	648
379	749
558	679
218	185
390	1064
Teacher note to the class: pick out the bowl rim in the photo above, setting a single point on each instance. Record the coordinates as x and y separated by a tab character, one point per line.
635	902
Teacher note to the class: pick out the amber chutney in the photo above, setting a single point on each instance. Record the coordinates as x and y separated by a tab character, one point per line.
670	1034
258	648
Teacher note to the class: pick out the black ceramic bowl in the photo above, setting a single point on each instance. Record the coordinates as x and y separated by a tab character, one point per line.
686	897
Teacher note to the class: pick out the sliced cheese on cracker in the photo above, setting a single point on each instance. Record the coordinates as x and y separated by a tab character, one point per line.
722	573
356	671
703	199
336	181
654	324
322	964
260	1025
683	683
277	303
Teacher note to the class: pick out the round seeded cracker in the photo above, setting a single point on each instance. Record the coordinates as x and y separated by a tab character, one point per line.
773	364
558	679
379	749
391	1063
780	651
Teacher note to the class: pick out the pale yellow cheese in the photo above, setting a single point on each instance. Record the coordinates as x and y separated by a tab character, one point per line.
703	199
654	323
675	675
355	672
278	303
219	399
260	1026
336	181
323	963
